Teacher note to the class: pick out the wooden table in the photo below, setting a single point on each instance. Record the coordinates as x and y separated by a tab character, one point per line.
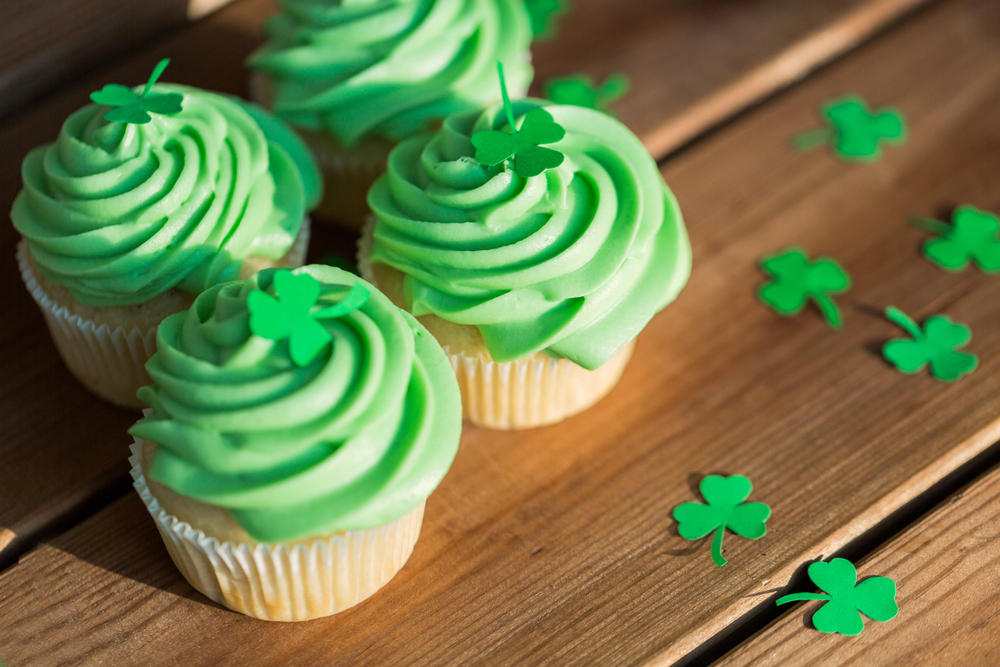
556	546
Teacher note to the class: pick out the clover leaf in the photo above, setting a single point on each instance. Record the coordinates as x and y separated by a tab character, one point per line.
972	236
724	510
875	597
289	313
936	345
542	14
132	107
798	279
856	133
530	159
580	90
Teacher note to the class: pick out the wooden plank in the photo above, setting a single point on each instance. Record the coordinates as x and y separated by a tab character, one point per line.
724	43
555	546
945	569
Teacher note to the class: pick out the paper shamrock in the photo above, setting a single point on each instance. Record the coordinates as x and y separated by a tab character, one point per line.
530	159
289	314
724	510
875	597
936	345
855	132
543	14
132	107
798	279
581	91
971	236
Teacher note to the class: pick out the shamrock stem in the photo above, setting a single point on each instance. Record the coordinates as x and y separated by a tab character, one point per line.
930	225
812	139
506	100
717	547
829	309
798	597
904	322
157	71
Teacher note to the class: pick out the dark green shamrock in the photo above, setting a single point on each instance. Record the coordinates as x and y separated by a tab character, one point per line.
935	345
132	107
855	132
289	313
971	236
875	597
580	90
798	279
543	14
530	159
724	510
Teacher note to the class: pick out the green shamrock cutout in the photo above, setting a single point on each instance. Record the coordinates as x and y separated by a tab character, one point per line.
132	107
798	279
581	91
725	509
971	236
936	345
855	132
542	14
530	159
289	313
875	597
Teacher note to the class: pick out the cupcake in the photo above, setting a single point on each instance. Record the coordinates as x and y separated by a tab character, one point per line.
145	200
355	78
298	423
535	258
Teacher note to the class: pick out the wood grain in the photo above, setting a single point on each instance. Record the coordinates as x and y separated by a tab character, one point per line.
556	546
945	569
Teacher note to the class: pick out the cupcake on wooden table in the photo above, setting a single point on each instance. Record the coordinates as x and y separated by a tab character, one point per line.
355	78
147	198
299	421
535	256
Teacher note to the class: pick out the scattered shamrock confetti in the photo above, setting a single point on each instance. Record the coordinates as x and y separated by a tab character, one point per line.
543	14
132	107
724	510
855	132
798	279
971	236
936	345
530	159
290	315
581	91
875	597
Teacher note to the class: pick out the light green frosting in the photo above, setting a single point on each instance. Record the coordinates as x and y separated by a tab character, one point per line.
389	68
573	262
354	440
121	213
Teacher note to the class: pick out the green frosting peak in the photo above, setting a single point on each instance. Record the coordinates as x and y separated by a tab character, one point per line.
354	439
573	261
390	68
120	213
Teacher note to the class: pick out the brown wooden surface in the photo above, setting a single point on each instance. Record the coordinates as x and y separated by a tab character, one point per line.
555	546
63	447
945	569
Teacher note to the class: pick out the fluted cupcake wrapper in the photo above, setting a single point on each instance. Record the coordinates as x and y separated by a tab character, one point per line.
281	582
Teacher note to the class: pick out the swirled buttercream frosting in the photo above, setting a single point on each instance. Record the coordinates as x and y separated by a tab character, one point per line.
389	68
120	213
354	439
574	261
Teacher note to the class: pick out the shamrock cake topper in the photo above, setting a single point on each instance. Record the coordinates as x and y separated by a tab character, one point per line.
937	344
725	509
131	107
972	236
875	597
542	14
580	90
289	314
855	133
530	159
798	279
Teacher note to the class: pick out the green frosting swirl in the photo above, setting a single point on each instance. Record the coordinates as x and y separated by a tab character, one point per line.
389	68
120	213
354	440
573	262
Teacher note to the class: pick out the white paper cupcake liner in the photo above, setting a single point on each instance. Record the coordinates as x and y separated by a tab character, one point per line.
279	582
